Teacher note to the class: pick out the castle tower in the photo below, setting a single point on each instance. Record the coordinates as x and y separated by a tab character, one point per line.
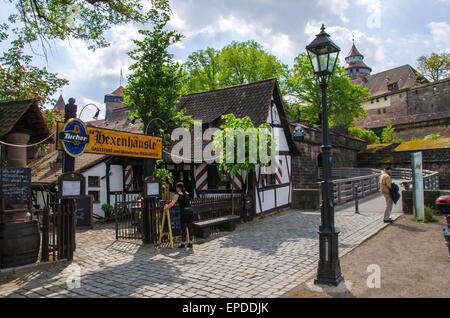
60	104
355	66
114	101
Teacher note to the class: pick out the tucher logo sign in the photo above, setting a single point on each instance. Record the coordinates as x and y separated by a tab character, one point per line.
74	137
106	142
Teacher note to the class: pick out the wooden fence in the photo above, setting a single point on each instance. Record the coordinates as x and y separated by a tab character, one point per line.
57	223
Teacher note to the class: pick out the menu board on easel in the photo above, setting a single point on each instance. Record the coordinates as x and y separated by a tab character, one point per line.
84	211
15	185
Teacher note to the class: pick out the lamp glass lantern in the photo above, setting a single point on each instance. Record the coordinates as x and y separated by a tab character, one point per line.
323	54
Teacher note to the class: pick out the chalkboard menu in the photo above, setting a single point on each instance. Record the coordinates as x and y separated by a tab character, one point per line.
176	221
15	185
83	212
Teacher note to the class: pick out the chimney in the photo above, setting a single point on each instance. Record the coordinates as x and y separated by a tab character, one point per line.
16	157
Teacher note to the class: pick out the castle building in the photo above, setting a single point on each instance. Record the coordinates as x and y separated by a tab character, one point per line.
403	98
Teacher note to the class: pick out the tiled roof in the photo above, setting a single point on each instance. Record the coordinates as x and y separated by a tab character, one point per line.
423	145
359	64
46	170
251	100
118	120
118	92
405	76
23	114
10	113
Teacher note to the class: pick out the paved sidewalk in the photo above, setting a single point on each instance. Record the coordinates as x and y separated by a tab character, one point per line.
264	258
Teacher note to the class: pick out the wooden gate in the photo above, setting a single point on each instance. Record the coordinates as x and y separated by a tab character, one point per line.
58	231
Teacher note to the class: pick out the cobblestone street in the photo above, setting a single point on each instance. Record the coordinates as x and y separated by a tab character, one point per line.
264	258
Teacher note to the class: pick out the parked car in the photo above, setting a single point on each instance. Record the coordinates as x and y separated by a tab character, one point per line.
443	204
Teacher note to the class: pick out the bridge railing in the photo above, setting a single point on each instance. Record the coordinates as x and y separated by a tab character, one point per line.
430	178
352	182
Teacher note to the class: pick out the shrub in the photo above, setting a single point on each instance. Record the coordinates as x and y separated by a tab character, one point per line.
430	217
367	135
388	136
107	208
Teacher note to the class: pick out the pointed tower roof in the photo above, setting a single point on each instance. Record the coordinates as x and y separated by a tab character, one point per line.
354	51
60	104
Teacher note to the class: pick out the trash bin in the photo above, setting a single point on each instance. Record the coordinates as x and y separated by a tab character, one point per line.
443	204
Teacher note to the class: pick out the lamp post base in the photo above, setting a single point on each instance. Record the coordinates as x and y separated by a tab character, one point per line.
329	272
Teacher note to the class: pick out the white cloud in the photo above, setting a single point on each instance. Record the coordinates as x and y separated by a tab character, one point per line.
336	7
373	48
278	43
440	33
89	111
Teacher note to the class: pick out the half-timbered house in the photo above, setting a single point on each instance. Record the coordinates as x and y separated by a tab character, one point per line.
262	102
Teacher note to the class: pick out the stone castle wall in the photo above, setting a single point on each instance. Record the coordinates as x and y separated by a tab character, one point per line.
415	112
305	167
435	160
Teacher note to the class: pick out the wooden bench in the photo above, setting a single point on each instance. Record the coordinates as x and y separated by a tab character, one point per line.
226	223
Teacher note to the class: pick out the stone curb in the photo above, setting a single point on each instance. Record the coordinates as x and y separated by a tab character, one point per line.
29	268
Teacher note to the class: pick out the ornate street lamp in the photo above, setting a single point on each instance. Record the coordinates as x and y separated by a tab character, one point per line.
323	53
97	113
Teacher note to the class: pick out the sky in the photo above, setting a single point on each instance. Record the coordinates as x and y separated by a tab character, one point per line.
389	33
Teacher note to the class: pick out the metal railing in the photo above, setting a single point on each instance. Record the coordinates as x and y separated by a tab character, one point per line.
353	183
430	178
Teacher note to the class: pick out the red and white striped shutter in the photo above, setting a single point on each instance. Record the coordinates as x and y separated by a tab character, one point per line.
279	173
129	178
201	177
238	181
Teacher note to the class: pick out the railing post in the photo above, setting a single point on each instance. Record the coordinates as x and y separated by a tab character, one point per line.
339	193
45	235
355	196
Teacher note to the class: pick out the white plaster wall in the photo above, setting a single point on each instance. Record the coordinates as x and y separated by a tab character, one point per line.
283	196
267	201
116	181
381	104
97	171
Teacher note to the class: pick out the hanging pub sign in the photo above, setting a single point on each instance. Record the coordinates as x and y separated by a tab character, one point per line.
75	139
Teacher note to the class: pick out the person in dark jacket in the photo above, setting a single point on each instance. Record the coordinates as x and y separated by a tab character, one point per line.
182	197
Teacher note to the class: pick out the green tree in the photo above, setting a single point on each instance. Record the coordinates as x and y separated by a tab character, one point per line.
388	135
203	71
87	20
247	62
345	99
237	63
156	79
367	135
232	132
435	66
19	79
238	129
